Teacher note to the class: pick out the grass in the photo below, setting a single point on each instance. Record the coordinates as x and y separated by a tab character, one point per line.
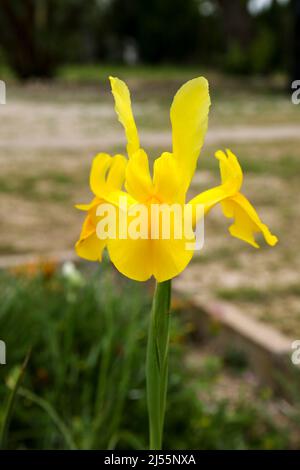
100	72
252	294
85	381
31	187
246	294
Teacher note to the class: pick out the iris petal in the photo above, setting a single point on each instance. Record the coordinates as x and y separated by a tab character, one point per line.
123	109
99	170
142	258
89	246
246	221
166	179
138	179
189	118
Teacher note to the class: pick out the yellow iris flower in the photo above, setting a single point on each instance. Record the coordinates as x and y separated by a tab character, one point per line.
141	258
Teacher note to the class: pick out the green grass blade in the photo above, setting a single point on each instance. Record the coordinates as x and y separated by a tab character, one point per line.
45	405
11	402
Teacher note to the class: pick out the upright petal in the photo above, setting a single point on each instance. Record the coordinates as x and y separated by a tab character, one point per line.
123	109
166	179
189	118
138	179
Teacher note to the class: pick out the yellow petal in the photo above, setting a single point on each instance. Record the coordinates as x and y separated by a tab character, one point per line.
189	118
133	258
140	259
89	246
246	221
166	179
149	254
116	174
87	207
170	258
123	109
208	199
121	199
138	180
232	178
230	169
99	170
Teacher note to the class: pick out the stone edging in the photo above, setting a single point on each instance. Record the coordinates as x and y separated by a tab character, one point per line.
268	350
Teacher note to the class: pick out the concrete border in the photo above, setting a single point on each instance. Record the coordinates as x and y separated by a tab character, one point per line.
268	350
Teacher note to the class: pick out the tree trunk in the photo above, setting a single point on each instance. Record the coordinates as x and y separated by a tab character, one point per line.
26	52
296	47
236	21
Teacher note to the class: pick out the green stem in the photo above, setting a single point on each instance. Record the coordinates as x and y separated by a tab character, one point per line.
157	362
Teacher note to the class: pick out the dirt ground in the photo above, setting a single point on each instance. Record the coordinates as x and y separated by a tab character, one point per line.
49	134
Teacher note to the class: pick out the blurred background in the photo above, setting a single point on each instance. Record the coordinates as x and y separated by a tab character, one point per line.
244	36
84	386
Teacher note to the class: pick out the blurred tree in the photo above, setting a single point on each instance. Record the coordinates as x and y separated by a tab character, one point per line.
237	22
255	41
164	30
36	35
296	48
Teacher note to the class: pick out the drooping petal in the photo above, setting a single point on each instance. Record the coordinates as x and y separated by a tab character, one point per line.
89	246
99	170
155	249
133	258
234	204
142	258
123	109
189	118
138	179
166	179
170	258
246	221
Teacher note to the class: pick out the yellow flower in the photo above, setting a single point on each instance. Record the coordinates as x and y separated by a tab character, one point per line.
163	258
107	177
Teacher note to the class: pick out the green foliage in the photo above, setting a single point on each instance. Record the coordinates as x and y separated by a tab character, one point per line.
162	30
37	35
84	386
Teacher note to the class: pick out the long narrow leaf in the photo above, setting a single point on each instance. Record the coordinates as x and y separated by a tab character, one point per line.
11	402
